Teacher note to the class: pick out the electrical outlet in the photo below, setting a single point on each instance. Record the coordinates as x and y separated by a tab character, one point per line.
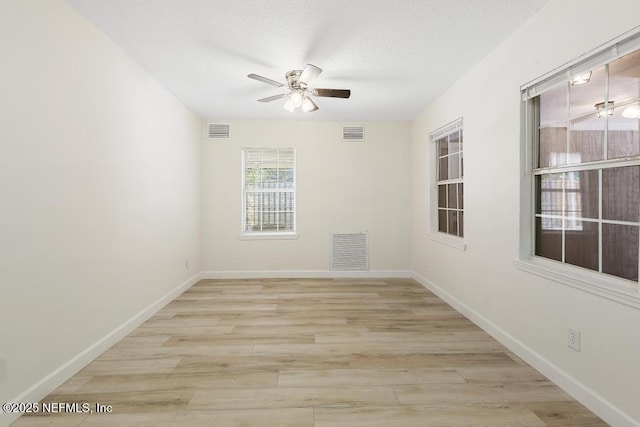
573	339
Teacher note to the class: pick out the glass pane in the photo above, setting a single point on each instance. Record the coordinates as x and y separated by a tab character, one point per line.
268	202
452	199
623	134
624	78
581	244
269	168
587	139
251	220
581	194
285	178
270	178
548	241
454	166
554	115
253	155
443	147
620	250
253	206
587	129
584	97
289	223
453	223
621	194
285	221
454	142
461	164
252	176
269	213
443	169
553	107
250	181
549	194
286	204
624	87
553	146
442	196
461	224
442	220
460	196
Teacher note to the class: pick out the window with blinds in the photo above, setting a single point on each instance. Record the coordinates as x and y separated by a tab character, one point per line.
583	128
268	190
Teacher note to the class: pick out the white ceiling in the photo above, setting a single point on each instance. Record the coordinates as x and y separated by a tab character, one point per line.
396	56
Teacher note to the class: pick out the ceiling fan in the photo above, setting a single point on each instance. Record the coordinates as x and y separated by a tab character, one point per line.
299	91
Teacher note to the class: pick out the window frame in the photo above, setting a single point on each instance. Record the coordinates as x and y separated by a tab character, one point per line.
268	234
450	128
611	287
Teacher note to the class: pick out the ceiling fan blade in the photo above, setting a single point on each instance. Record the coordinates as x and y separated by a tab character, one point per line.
265	80
309	73
333	93
274	97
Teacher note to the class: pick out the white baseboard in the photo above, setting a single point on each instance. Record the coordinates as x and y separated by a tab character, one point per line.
583	394
56	378
304	274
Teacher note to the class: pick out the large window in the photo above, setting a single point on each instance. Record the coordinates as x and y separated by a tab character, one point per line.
449	179
583	125
269	190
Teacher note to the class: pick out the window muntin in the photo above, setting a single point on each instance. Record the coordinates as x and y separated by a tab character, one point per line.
449	179
587	170
268	190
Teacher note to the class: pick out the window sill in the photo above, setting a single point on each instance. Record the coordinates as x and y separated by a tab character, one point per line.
454	242
268	236
618	290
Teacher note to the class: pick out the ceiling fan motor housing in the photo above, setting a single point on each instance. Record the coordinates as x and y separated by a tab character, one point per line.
292	78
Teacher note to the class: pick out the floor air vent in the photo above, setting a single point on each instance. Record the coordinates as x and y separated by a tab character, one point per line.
349	252
217	131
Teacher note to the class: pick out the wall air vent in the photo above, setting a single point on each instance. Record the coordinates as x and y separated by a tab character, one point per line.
217	131
349	252
352	133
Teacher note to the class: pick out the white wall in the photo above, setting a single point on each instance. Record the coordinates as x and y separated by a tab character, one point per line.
533	314
341	187
99	188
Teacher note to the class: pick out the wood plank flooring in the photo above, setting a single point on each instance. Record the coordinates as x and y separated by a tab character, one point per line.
321	352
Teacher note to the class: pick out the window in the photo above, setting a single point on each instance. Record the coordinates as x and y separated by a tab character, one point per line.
583	133
449	188
269	191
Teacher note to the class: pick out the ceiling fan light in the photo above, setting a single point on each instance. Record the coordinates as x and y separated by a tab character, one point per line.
296	98
289	106
308	105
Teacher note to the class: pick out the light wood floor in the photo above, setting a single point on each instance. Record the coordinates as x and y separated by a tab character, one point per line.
312	353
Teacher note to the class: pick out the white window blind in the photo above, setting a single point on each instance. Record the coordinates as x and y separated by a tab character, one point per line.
268	190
